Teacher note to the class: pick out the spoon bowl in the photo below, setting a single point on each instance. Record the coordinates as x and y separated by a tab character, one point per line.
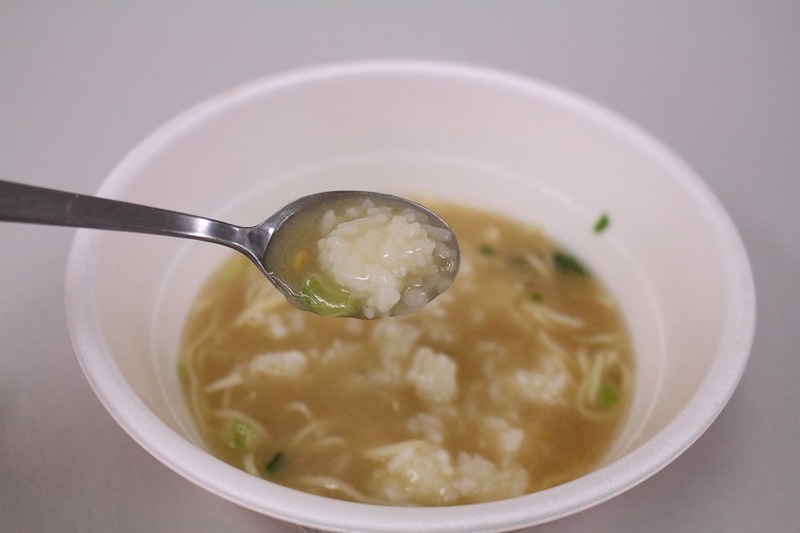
37	205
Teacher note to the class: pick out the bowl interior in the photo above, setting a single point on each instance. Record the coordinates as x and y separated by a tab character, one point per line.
671	255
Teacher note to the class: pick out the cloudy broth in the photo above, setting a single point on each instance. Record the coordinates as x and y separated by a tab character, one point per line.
517	378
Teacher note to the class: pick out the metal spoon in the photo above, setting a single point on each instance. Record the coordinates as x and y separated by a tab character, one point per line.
37	205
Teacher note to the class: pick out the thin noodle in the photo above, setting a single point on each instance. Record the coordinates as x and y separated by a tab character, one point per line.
260	299
316	429
602	362
390	450
302	408
231	414
194	355
542	266
337	485
249	464
330	442
550	317
225	384
547	340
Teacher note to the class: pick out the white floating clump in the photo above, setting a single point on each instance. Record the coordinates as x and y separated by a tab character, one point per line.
433	376
388	260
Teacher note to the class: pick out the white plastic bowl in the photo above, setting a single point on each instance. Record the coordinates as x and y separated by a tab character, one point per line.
671	256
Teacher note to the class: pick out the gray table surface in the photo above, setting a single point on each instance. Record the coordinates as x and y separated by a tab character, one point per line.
82	82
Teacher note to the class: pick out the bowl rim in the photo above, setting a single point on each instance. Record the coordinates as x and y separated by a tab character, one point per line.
182	456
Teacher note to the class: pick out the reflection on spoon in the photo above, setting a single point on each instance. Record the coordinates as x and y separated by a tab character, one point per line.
341	253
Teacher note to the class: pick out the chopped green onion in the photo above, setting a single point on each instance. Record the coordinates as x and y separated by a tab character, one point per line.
239	435
326	300
602	223
608	395
183	370
568	264
537	297
486	249
274	464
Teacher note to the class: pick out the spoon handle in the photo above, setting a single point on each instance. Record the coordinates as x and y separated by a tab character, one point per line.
37	205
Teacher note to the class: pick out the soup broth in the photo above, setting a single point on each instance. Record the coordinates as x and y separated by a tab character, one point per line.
516	379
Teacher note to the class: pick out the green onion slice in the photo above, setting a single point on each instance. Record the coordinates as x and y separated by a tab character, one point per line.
274	464
239	435
602	223
568	264
608	395
325	299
